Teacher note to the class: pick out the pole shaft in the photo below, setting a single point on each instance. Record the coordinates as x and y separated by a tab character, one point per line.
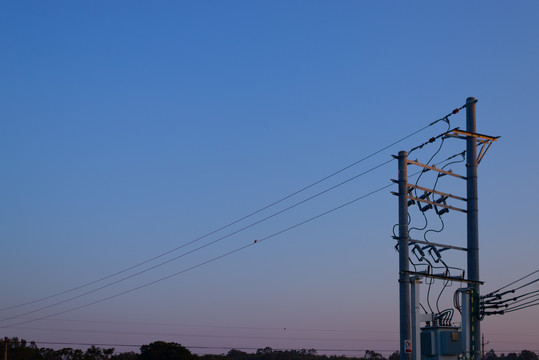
473	225
404	277
415	318
483	346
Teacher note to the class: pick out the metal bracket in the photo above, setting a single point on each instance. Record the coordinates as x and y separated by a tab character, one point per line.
434	168
437	192
426	200
483	140
440	277
434	203
413	241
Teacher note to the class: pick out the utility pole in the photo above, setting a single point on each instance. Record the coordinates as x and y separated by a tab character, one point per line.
404	276
439	325
5	348
483	346
473	227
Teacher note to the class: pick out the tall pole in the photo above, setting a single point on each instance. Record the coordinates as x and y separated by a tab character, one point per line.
404	277
483	346
473	226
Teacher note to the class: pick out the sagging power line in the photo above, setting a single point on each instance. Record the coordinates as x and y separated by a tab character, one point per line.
202	246
500	302
187	269
214	232
219	229
243	247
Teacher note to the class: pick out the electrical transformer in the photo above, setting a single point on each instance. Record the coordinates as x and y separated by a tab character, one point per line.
441	343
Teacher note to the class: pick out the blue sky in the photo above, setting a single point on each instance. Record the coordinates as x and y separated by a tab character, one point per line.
131	128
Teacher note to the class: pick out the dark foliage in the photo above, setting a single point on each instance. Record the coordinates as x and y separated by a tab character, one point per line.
19	349
160	350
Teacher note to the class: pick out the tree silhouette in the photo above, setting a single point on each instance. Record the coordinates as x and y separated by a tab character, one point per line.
160	350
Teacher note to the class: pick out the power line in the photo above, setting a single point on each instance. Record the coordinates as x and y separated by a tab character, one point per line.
218	326
84	344
498	301
207	347
494	300
198	248
216	336
235	221
202	263
235	347
527	284
325	213
523	306
203	246
512	283
527	296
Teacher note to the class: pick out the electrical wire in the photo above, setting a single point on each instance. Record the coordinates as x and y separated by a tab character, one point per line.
428	295
446	283
235	221
527	296
522	306
511	307
215	336
527	284
446	119
516	299
456	301
434	230
434	188
443	225
429	265
520	287
86	293
130	290
424	170
512	283
531	298
439	216
415	174
494	299
205	347
435	153
222	327
243	247
417	228
198	248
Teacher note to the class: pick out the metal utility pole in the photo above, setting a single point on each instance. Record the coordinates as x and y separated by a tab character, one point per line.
483	343
439	325
404	276
473	226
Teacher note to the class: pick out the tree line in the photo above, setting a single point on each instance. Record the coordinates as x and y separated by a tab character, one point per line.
20	349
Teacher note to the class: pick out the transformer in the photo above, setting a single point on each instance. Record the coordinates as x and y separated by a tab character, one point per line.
441	343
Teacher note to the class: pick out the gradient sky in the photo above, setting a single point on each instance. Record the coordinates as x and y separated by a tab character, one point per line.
131	128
